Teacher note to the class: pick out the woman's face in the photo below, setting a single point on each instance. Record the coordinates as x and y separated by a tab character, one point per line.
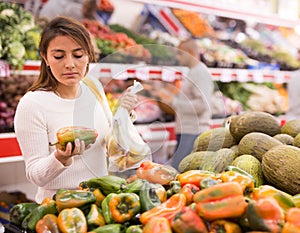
68	61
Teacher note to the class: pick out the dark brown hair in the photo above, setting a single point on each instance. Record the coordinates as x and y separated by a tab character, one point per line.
60	26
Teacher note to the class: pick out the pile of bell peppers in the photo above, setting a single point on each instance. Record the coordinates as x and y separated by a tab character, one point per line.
194	201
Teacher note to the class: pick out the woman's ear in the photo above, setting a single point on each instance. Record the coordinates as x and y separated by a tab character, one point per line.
43	56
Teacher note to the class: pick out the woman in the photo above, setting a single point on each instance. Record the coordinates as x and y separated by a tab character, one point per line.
57	99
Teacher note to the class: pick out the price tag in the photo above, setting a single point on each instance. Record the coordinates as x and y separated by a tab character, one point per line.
226	76
168	75
258	76
242	75
142	73
4	69
119	72
279	77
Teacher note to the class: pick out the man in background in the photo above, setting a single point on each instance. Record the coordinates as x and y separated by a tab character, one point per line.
192	104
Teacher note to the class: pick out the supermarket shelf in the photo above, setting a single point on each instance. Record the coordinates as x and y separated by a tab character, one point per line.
171	73
218	9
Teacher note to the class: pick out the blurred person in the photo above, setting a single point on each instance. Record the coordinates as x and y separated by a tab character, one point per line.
76	9
192	103
293	86
57	99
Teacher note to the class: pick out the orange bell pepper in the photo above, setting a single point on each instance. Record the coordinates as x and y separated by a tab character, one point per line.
47	224
156	173
225	226
292	221
285	200
194	177
167	209
157	224
265	215
72	220
223	200
189	191
245	181
187	220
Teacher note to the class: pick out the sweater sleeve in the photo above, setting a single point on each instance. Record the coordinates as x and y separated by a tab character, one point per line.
31	132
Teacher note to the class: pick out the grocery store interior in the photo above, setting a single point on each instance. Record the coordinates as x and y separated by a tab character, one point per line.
250	48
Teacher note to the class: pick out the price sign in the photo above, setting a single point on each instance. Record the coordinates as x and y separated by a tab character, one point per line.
242	75
142	73
226	75
168	75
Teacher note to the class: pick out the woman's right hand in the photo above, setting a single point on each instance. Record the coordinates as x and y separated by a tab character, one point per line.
65	156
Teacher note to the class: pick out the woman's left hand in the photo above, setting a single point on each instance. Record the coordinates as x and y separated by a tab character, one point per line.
128	100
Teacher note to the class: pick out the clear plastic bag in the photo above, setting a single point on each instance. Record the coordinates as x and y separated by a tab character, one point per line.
126	149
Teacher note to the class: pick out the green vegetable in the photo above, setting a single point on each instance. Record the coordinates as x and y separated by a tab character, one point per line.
48	206
148	196
19	211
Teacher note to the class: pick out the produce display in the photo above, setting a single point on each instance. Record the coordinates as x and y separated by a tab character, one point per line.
216	189
20	35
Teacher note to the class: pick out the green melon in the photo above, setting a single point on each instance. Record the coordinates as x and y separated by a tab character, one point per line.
291	127
252	165
284	138
218	161
193	161
248	122
281	168
214	139
257	144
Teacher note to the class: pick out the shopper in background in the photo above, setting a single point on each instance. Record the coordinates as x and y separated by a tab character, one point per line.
68	8
293	86
57	99
193	101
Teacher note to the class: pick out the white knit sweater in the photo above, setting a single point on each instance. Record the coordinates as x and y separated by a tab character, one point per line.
38	117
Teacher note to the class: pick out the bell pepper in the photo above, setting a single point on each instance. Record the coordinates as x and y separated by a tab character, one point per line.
223	200
174	187
119	208
48	206
70	133
95	217
134	229
187	220
157	224
156	173
148	196
284	200
189	191
73	198
296	200
110	228
47	224
167	209
72	220
224	226
194	177
265	215
19	211
134	187
241	171
207	182
246	182
99	197
292	221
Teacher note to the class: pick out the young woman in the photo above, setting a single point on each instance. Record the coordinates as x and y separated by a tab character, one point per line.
58	99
